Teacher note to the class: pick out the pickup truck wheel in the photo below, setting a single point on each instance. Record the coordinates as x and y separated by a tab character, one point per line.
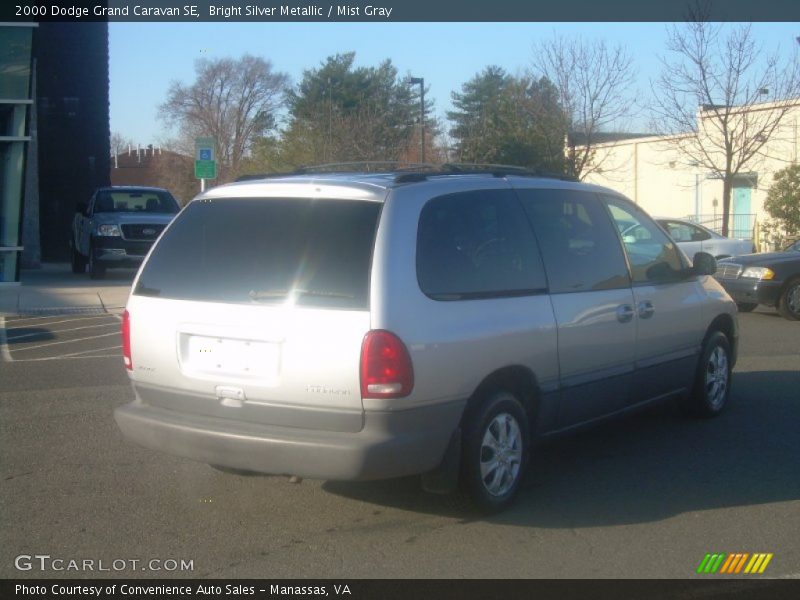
712	385
745	307
96	270
495	451
78	261
789	303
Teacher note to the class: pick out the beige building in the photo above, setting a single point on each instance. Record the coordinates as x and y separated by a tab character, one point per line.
658	173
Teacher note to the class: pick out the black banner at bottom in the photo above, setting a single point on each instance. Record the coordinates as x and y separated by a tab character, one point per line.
391	589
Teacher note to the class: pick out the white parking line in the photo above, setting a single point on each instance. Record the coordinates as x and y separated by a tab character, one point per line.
76	355
40	333
22	360
94	337
4	351
64	321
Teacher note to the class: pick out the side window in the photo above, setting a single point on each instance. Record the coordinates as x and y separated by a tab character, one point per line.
698	234
652	255
680	232
580	248
477	244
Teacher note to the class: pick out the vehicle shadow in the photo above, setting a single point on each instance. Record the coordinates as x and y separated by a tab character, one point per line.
644	468
26	335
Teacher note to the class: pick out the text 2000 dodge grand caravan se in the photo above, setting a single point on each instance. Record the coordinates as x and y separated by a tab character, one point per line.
369	326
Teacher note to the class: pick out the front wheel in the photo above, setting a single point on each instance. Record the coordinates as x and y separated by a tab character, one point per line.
495	451
789	303
712	385
96	270
78	261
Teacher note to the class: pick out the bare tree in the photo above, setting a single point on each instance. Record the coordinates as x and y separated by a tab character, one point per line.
119	143
594	85
722	98
232	100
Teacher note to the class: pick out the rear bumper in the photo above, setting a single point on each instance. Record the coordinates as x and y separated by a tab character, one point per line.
391	444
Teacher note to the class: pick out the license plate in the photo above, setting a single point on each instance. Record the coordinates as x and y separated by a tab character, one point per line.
223	356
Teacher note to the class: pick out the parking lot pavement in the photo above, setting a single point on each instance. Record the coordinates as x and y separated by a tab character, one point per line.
646	496
83	336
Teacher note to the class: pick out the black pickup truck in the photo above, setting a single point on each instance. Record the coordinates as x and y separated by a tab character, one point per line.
117	227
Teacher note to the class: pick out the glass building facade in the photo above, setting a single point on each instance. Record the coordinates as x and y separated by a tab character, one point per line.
15	106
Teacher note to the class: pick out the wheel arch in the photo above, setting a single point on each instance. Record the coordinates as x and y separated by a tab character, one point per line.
517	379
725	324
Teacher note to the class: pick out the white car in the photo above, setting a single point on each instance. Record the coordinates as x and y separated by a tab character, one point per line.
693	238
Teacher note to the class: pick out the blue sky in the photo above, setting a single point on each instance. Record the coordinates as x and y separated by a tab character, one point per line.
146	57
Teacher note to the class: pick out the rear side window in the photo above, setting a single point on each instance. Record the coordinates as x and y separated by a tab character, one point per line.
580	248
477	245
266	251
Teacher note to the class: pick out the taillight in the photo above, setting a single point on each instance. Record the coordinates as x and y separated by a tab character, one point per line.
126	340
386	370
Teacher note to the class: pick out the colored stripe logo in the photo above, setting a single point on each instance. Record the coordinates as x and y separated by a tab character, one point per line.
734	564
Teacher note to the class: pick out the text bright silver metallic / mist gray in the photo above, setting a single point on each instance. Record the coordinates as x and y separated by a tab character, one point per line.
368	326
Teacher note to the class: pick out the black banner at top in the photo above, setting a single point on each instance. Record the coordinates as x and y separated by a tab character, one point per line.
190	11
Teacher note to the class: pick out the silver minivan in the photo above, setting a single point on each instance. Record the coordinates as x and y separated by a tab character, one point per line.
369	326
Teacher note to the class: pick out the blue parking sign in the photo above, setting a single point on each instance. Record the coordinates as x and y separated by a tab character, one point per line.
205	153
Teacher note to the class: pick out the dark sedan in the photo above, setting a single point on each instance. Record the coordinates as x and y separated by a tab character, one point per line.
772	279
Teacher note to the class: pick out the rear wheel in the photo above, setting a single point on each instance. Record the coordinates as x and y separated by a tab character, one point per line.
712	385
789	304
746	307
495	451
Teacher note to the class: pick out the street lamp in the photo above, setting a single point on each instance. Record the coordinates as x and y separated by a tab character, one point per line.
421	82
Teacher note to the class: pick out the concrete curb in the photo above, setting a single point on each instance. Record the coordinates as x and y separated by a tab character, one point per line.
53	289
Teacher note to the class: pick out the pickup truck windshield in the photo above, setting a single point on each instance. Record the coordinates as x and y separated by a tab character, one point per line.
135	201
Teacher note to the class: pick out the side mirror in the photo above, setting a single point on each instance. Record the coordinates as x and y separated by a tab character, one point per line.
81	207
704	264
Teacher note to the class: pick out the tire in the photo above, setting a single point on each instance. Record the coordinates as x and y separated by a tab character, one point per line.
78	261
96	270
746	307
789	302
712	385
492	478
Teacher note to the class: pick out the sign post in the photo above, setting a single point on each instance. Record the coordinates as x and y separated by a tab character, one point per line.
205	163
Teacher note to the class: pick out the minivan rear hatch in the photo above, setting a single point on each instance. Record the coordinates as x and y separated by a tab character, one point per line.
255	309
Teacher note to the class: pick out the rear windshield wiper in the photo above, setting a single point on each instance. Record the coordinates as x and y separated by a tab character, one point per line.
272	294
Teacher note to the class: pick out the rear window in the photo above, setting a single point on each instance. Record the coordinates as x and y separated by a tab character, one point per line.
135	201
266	251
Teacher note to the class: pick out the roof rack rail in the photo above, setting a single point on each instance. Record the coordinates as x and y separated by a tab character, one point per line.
252	176
480	169
368	166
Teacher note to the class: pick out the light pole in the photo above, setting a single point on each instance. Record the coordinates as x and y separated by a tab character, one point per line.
421	82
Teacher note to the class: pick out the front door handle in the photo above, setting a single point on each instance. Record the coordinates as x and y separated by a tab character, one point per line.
624	313
646	309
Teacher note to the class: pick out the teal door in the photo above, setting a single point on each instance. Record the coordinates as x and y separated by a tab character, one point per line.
742	222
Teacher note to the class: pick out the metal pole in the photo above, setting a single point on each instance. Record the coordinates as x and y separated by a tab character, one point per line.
202	185
697	196
422	114
330	119
421	82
